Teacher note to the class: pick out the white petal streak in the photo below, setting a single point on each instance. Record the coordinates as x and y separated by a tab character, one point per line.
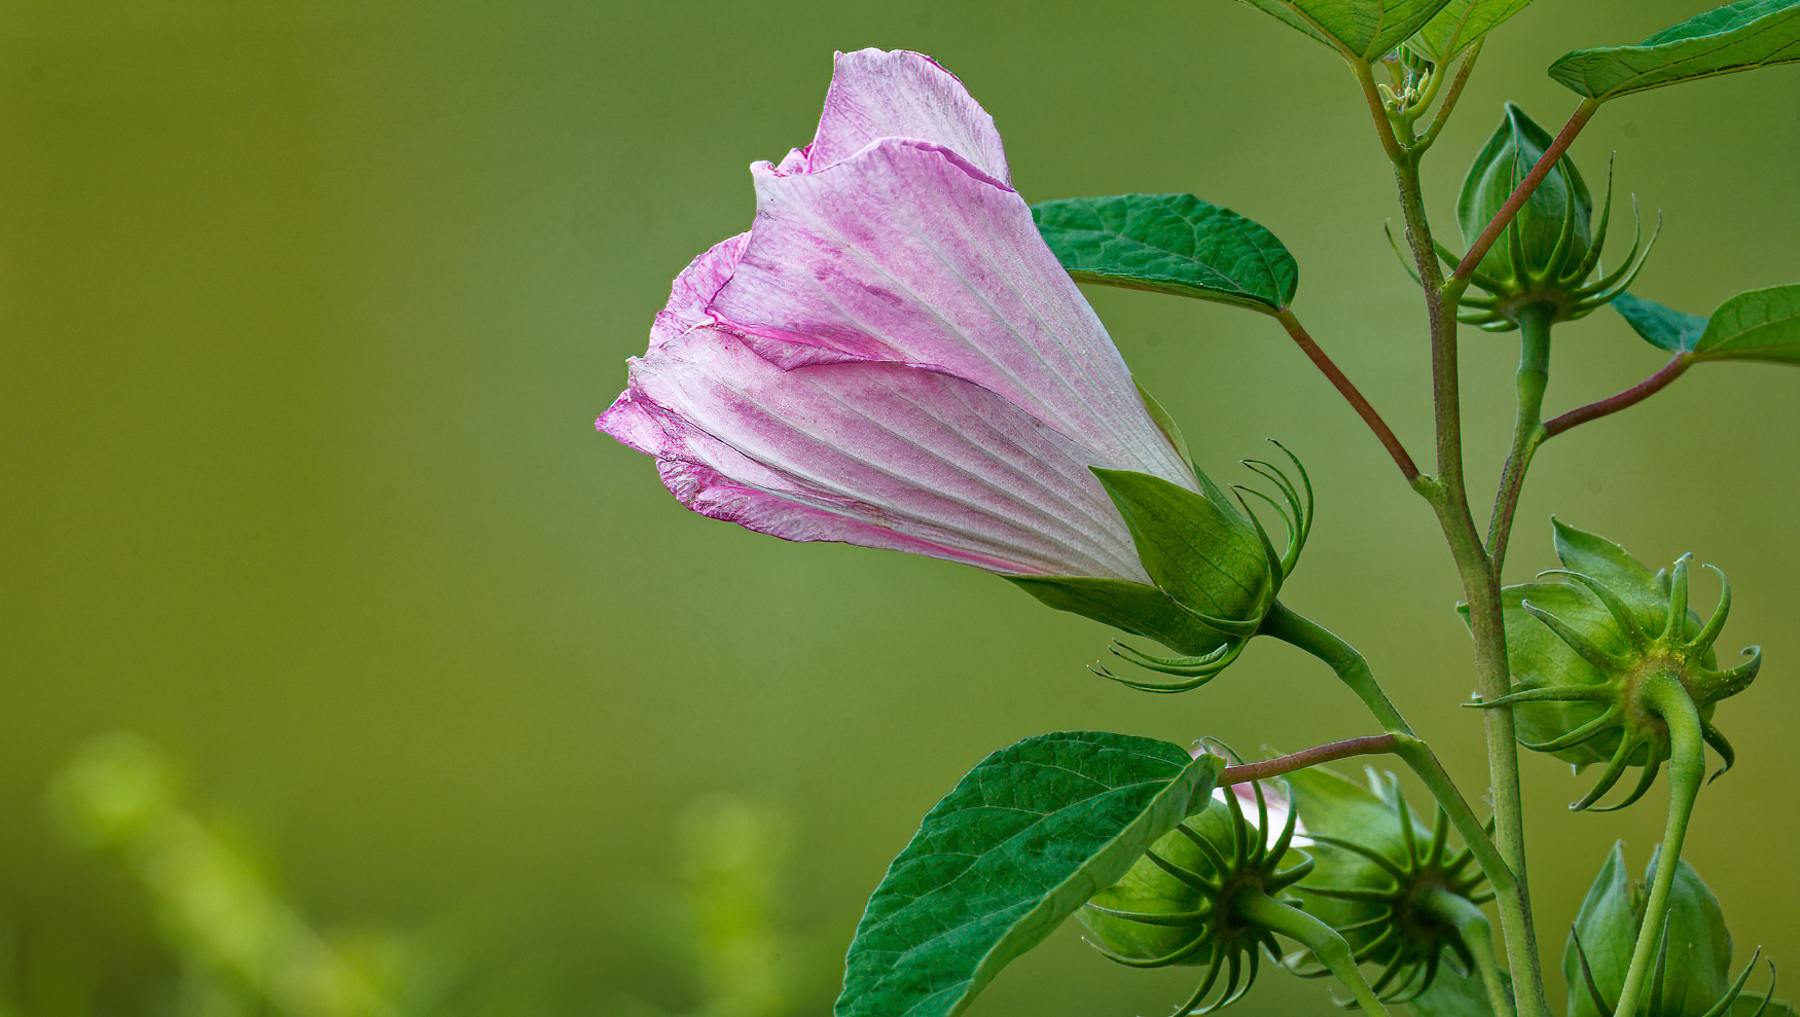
877	454
905	253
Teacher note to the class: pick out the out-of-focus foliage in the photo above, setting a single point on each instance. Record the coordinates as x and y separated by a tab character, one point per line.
240	949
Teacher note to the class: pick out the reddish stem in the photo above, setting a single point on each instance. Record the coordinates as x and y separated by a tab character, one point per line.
1630	397
1365	746
1522	193
1350	393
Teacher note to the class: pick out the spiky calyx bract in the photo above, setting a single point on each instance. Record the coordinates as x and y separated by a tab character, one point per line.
1180	903
1551	248
1212	561
1592	656
1392	887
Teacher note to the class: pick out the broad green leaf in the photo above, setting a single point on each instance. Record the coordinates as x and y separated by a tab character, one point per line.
1021	843
1169	243
1138	609
1359	29
1660	326
1739	36
1460	25
1759	325
1205	553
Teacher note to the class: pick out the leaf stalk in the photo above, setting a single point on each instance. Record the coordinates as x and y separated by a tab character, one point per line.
1351	394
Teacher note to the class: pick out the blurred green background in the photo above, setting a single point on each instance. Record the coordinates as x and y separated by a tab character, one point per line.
306	311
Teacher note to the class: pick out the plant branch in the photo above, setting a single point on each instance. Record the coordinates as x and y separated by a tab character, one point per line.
1472	928
1687	769
1528	431
1353	670
1348	390
1522	193
1448	496
1257	907
1450	97
1630	397
1367	745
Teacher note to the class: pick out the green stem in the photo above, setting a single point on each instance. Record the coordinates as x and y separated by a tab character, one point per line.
1472	928
1449	498
1353	670
1687	769
1528	426
1455	93
1256	907
1481	588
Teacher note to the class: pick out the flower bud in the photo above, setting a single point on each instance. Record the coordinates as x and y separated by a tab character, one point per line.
1388	884
1692	977
1592	656
1215	570
1176	905
1551	246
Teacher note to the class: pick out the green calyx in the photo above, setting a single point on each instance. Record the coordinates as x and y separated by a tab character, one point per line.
1692	974
1610	662
1545	258
1215	569
1197	896
1391	887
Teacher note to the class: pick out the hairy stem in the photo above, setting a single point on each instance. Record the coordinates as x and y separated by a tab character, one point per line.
1472	928
1687	770
1254	906
1367	745
1449	498
1522	193
1630	397
1353	670
1528	431
1350	393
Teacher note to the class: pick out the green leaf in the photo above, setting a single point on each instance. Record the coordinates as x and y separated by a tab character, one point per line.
1361	30
1460	25
1021	843
1761	325
1739	36
1205	553
1169	243
1660	326
1138	609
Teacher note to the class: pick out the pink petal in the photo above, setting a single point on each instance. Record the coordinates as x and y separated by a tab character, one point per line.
908	253
876	94
870	453
695	288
